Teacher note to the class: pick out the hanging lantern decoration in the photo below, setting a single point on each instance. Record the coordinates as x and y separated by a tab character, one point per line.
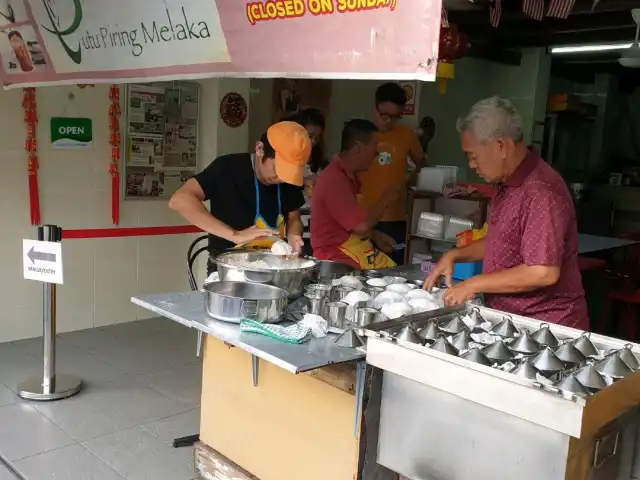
453	45
114	141
31	146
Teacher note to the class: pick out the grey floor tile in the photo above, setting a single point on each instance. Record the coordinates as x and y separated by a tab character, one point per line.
91	339
33	346
72	462
7	396
89	368
5	474
85	415
16	365
138	455
24	432
134	360
139	402
183	383
181	425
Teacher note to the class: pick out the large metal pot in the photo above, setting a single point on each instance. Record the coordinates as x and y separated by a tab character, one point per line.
329	270
234	301
290	274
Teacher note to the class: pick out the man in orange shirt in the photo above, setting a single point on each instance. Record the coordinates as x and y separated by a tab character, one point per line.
396	144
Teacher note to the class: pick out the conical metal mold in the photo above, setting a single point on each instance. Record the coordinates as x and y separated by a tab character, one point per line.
545	337
525	344
349	339
571	384
614	366
476	319
462	340
443	345
630	358
525	370
475	355
569	354
585	345
547	362
590	378
505	329
407	334
454	326
498	352
430	333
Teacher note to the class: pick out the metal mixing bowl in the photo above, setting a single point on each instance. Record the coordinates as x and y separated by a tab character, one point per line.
234	301
290	274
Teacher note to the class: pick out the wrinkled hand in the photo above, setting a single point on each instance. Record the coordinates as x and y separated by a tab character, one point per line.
458	294
383	241
296	243
444	268
252	233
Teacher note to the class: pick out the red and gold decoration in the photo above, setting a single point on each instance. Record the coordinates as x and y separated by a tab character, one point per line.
453	45
233	109
114	141
31	146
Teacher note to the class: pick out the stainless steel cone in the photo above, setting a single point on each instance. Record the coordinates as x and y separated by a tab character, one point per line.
505	329
547	362
498	351
525	370
568	353
585	345
455	325
430	333
407	334
614	366
590	378
545	337
572	385
443	345
630	358
476	319
461	340
475	355
525	344
349	339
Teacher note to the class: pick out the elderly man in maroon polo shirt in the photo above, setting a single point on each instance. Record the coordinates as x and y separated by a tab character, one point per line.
530	262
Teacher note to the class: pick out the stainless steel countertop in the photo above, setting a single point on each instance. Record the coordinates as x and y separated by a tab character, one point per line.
187	308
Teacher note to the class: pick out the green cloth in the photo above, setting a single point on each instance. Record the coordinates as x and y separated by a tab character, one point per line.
292	334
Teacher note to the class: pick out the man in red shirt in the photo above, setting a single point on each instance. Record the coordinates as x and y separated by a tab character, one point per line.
530	262
341	229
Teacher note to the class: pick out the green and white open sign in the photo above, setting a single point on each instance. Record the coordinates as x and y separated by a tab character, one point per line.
71	133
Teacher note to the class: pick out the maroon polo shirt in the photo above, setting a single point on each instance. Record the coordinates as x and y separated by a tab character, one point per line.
335	212
532	221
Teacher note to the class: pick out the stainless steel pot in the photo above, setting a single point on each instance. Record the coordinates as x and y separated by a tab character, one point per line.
234	301
292	275
328	270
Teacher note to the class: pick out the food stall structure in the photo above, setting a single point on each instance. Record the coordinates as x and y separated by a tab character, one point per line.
277	411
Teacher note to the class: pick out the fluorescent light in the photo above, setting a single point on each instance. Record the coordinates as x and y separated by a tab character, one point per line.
590	48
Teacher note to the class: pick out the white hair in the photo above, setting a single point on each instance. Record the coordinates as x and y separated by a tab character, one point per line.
491	119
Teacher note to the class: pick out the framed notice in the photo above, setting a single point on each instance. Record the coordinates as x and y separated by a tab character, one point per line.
160	138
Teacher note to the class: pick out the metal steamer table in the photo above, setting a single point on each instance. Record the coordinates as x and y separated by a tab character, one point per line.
447	418
318	411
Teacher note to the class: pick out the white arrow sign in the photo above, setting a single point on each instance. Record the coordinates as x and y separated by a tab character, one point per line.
42	261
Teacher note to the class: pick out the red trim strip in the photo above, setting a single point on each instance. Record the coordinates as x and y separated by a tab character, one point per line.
128	232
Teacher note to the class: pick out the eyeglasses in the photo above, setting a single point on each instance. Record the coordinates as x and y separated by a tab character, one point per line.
388	117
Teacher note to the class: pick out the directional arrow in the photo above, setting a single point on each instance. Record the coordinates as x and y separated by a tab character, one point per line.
45	257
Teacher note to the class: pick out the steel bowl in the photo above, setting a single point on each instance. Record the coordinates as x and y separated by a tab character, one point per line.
235	301
290	274
328	270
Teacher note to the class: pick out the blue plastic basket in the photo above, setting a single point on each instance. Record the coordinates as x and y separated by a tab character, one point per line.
462	271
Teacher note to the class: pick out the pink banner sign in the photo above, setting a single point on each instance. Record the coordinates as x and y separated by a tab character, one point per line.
45	42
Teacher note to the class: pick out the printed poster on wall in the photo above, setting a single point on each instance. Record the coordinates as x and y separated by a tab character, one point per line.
411	89
96	41
291	95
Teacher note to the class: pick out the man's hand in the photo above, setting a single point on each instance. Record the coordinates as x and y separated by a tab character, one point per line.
252	233
296	243
444	268
458	294
383	241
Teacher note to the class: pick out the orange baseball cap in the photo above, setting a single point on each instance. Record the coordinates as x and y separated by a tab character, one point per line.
293	147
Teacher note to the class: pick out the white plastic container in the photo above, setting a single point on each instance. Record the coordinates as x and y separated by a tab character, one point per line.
431	225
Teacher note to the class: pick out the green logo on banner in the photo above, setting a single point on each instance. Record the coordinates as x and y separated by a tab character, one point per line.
71	133
60	32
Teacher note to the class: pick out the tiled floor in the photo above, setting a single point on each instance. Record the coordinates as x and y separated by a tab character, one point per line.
142	389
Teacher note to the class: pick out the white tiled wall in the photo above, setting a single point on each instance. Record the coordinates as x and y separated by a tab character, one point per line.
100	275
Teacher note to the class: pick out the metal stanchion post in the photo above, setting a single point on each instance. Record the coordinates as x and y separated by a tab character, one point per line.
49	386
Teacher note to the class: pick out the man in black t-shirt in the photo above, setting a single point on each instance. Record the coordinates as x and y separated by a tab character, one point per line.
253	197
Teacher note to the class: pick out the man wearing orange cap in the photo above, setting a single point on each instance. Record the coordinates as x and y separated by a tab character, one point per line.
253	197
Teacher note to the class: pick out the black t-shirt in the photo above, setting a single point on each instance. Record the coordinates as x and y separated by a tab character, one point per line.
229	186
